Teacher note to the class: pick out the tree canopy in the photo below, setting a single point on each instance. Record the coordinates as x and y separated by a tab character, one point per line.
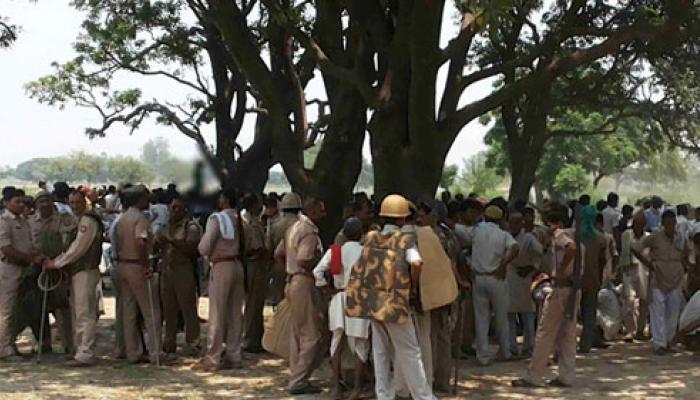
377	64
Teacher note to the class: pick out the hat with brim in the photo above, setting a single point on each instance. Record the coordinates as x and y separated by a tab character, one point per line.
493	212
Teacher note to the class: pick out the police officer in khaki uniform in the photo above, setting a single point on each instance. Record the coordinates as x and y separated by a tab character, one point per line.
300	251
222	246
257	266
16	253
133	243
177	243
291	207
52	233
82	260
556	332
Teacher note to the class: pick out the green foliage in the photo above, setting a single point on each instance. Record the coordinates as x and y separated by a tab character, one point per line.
477	176
156	154
449	175
137	37
571	181
609	151
129	169
156	164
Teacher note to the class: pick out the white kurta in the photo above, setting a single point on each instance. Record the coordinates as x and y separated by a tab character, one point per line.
356	329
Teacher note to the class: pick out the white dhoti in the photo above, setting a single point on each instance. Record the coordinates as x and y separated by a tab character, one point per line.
355	329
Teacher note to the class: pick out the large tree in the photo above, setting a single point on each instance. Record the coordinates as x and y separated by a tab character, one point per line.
617	41
175	45
378	63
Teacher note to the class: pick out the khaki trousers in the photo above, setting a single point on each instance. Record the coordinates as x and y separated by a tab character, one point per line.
119	343
396	345
441	327
555	333
59	305
84	305
10	278
134	293
255	303
306	348
225	309
179	293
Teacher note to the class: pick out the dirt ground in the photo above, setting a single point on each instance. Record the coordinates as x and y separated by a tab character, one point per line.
625	371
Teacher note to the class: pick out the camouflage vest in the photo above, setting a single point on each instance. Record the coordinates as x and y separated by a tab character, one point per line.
92	257
380	282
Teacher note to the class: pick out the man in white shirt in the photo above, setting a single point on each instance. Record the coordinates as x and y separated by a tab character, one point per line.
354	330
492	250
611	215
683	224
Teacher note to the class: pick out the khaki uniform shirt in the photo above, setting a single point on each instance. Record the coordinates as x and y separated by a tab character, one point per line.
254	233
301	243
561	239
215	247
131	227
667	259
64	225
87	232
186	230
279	228
16	232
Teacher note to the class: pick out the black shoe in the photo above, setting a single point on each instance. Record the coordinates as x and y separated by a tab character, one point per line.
522	383
558	383
304	389
661	351
581	350
254	349
602	345
231	365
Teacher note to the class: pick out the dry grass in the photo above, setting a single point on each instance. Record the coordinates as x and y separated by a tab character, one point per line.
626	371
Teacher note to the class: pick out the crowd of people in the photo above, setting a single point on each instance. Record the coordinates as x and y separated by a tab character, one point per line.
403	291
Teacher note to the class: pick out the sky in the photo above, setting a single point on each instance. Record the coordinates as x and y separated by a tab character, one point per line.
29	129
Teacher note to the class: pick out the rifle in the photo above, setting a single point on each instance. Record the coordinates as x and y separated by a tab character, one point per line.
569	312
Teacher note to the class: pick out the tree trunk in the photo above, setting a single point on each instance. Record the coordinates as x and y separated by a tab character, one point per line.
526	145
339	161
250	171
523	175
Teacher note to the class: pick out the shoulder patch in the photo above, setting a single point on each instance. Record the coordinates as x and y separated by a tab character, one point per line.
83	228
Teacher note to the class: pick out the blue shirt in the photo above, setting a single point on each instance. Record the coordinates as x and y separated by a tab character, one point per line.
653	219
